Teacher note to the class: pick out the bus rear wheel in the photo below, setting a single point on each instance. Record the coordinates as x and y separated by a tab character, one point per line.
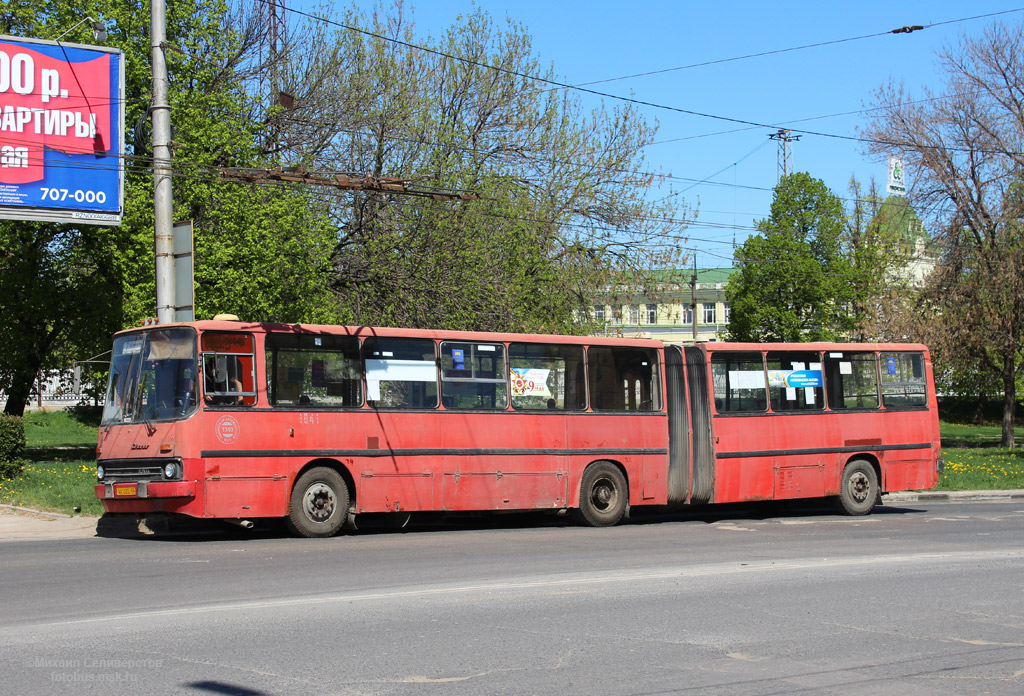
603	495
858	489
319	504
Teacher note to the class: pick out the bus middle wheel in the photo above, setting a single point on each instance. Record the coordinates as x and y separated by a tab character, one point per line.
603	495
319	503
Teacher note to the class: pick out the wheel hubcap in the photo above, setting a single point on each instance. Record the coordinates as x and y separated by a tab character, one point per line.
318	502
859	486
603	495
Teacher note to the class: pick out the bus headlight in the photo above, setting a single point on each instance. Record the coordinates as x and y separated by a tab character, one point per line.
170	470
99	471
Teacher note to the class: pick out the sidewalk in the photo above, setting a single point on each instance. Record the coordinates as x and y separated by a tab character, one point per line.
21	524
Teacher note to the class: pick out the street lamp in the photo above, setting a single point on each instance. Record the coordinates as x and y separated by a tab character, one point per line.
99	30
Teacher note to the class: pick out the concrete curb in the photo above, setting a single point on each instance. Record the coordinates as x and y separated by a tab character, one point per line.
33	511
924	496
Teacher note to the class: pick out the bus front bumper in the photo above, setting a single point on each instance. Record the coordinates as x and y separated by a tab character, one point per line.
127	490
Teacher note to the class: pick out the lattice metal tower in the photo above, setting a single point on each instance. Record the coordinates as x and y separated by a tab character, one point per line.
784	137
277	40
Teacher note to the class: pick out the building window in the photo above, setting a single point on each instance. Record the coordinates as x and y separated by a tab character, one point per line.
687	315
651	314
634	314
725	314
617	316
709	312
599	312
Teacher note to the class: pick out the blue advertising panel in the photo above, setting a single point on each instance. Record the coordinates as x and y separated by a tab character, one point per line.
61	132
795	378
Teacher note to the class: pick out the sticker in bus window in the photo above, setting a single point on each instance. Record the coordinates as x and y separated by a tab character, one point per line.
835	355
790	393
318	341
809	395
746	379
846	368
530	381
458	359
319	377
793	379
132	348
488	349
890	365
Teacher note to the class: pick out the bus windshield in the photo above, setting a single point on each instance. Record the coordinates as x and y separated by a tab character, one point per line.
152	377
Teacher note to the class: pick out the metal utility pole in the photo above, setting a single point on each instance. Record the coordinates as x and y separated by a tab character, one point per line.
163	212
784	137
693	297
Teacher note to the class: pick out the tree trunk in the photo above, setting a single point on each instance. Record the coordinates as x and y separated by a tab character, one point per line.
1009	400
21	389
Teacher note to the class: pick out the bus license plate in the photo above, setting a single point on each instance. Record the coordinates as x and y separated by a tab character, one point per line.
126	491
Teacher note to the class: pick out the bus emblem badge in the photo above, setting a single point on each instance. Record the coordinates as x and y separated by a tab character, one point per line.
227	429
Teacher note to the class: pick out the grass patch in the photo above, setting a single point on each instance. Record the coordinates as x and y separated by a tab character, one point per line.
59	486
61	468
989	468
971	434
76	427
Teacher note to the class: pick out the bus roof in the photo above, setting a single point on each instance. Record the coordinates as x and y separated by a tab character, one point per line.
366	331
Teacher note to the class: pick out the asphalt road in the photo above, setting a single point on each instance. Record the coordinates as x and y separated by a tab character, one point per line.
920	599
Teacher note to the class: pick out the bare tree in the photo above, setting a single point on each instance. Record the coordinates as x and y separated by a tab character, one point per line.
964	151
564	196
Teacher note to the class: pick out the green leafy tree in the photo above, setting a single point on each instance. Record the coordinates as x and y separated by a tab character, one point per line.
261	252
793	282
564	201
962	151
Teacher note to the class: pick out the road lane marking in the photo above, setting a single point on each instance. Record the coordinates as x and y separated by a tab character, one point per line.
565	580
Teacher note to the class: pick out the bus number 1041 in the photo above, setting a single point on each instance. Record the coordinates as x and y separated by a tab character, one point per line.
78	196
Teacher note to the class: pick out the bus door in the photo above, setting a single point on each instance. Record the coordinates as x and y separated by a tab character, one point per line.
691	455
679	458
703	488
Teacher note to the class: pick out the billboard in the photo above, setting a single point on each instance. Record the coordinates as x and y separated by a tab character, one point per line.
61	132
897	184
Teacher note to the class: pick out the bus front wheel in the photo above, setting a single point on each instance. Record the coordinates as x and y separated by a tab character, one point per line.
603	495
858	488
319	503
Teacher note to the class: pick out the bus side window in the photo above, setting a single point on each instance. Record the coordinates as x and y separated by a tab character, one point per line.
547	376
795	381
313	371
473	375
851	380
739	381
903	380
400	372
623	379
229	376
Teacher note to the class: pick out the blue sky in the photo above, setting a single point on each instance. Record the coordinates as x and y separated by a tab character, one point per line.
597	40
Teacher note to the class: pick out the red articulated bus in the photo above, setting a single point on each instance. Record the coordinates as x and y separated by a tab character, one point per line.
314	424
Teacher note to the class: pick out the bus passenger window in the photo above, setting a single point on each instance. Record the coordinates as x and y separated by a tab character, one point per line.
795	381
547	376
623	379
313	371
739	382
400	372
903	380
851	380
473	375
